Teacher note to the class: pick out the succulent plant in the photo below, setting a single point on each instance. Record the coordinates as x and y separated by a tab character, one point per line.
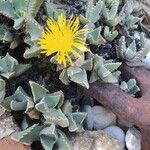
9	67
131	22
104	70
23	13
77	73
48	135
94	36
93	11
130	54
2	89
110	14
28	136
17	10
96	11
130	87
93	14
34	31
100	68
52	11
54	111
110	35
127	53
128	15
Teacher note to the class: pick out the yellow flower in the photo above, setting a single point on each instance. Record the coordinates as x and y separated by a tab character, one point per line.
64	39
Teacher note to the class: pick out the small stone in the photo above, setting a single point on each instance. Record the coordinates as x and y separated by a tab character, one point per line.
7	124
117	133
94	140
89	118
102	117
133	139
7	127
146	61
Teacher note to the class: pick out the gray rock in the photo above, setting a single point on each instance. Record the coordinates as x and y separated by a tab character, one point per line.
102	117
146	61
7	127
94	140
133	139
117	133
89	118
7	124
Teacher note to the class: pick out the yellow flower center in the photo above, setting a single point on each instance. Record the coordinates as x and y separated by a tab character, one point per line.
63	38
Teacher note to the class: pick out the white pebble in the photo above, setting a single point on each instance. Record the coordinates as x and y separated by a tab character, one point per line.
133	139
117	133
146	61
102	117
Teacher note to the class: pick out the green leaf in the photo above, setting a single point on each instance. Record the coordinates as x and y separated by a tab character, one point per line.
33	28
75	121
94	36
19	100
60	96
131	51
131	21
38	91
112	66
78	75
31	52
9	67
50	101
104	70
10	63
55	116
48	137
52	11
131	83
124	86
93	11
19	5
29	135
110	79
63	142
114	9
7	9
130	87
110	35
110	14
34	6
53	100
